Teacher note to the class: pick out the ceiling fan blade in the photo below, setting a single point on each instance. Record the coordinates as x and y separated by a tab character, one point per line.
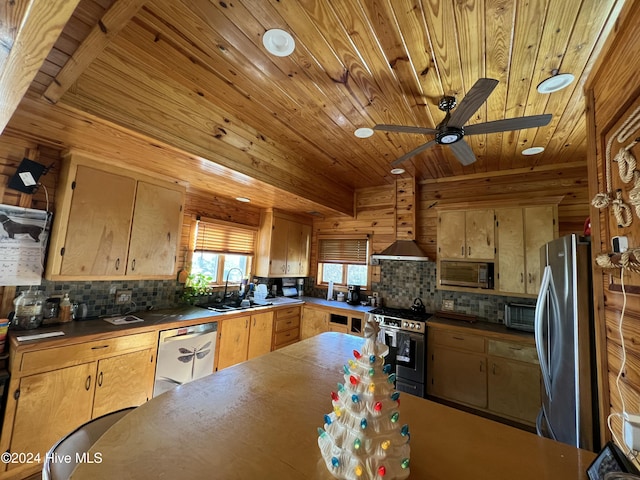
463	152
413	152
405	129
472	101
507	124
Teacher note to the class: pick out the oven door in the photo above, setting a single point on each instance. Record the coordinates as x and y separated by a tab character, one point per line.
406	354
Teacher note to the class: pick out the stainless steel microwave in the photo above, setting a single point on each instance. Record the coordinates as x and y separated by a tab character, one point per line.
466	274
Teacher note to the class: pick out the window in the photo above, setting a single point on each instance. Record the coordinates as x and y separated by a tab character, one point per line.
222	250
343	260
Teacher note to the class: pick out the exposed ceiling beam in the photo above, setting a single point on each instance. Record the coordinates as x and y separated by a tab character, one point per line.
40	24
107	28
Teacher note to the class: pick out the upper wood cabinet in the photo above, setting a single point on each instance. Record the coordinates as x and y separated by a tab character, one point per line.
466	234
283	246
111	223
520	234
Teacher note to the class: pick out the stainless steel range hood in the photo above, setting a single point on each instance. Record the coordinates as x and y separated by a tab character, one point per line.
402	250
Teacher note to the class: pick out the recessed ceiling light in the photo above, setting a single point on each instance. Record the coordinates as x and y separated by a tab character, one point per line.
533	151
278	42
363	132
243	199
397	171
555	83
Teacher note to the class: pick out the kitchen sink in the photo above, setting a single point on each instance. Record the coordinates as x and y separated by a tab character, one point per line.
226	307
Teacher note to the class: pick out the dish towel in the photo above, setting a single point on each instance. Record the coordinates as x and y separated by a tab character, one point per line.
404	347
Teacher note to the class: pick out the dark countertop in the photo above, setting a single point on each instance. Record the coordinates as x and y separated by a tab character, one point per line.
487	329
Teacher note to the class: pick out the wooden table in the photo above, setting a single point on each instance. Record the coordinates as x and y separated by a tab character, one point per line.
259	420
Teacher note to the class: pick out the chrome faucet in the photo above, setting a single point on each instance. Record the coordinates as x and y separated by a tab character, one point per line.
226	283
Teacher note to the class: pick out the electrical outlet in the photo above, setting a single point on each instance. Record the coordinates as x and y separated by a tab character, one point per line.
123	296
448	305
632	431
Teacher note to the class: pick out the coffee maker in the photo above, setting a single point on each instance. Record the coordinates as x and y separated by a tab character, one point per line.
353	294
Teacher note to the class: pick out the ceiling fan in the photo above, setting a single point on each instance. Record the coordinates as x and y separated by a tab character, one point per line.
451	131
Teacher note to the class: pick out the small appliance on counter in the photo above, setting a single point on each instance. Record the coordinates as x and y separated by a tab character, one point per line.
353	294
289	287
518	316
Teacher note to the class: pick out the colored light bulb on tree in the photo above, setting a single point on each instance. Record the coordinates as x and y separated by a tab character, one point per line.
385	445
395	416
357	443
405	463
355	398
335	462
382	471
378	406
372	387
357	354
334	396
363	423
372	359
353	379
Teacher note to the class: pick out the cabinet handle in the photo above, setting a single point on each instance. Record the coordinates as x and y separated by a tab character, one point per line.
481	366
133	264
515	348
521	277
246	323
289	322
462	250
530	279
493	369
87	384
457	338
100	347
117	264
100	379
469	250
254	321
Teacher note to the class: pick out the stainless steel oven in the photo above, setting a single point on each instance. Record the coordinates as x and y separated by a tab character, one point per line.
403	331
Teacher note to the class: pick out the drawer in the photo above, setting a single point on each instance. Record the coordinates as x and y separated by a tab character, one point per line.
286	337
287	323
288	312
57	357
516	351
462	341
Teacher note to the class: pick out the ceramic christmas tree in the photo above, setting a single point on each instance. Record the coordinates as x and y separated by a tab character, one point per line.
363	438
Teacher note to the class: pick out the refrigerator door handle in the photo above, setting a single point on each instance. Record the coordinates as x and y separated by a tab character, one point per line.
540	305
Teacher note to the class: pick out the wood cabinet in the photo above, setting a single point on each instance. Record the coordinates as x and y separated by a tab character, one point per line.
466	234
112	224
260	332
520	234
287	327
483	371
245	337
458	368
54	390
314	321
283	246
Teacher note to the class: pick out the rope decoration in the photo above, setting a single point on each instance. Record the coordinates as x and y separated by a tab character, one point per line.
621	210
626	165
629	260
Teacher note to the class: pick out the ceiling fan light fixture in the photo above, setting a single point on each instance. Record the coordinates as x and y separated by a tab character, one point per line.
533	150
243	199
397	171
555	83
278	42
363	132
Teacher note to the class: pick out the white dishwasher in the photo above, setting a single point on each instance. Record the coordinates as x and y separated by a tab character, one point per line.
184	354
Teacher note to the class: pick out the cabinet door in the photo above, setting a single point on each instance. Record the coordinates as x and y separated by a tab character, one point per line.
539	229
298	249
260	334
451	234
459	376
511	250
97	234
279	247
479	233
234	339
50	406
514	389
314	321
155	231
123	381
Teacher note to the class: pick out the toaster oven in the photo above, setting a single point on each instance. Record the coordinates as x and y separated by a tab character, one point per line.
519	316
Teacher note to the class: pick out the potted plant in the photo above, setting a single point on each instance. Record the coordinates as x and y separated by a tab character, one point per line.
197	284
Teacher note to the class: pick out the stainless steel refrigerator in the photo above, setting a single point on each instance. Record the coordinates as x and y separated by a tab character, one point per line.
564	331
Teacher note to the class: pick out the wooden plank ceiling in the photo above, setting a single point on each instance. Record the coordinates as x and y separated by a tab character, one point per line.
193	77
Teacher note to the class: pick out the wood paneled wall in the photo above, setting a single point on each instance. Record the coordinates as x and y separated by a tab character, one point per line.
613	95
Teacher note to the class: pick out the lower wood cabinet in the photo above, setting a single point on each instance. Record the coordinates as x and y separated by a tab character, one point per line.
54	390
501	377
319	319
314	321
287	327
260	331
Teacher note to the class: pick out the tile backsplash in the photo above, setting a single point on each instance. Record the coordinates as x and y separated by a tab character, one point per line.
100	296
401	282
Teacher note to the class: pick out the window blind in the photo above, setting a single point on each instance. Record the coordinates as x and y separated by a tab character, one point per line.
343	250
224	238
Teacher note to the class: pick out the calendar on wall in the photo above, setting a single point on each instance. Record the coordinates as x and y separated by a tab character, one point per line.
24	233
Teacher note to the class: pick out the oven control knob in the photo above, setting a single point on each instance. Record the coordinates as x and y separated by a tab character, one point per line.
412	325
405	324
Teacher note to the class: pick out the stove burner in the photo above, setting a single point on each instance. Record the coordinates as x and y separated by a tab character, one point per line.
402	313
